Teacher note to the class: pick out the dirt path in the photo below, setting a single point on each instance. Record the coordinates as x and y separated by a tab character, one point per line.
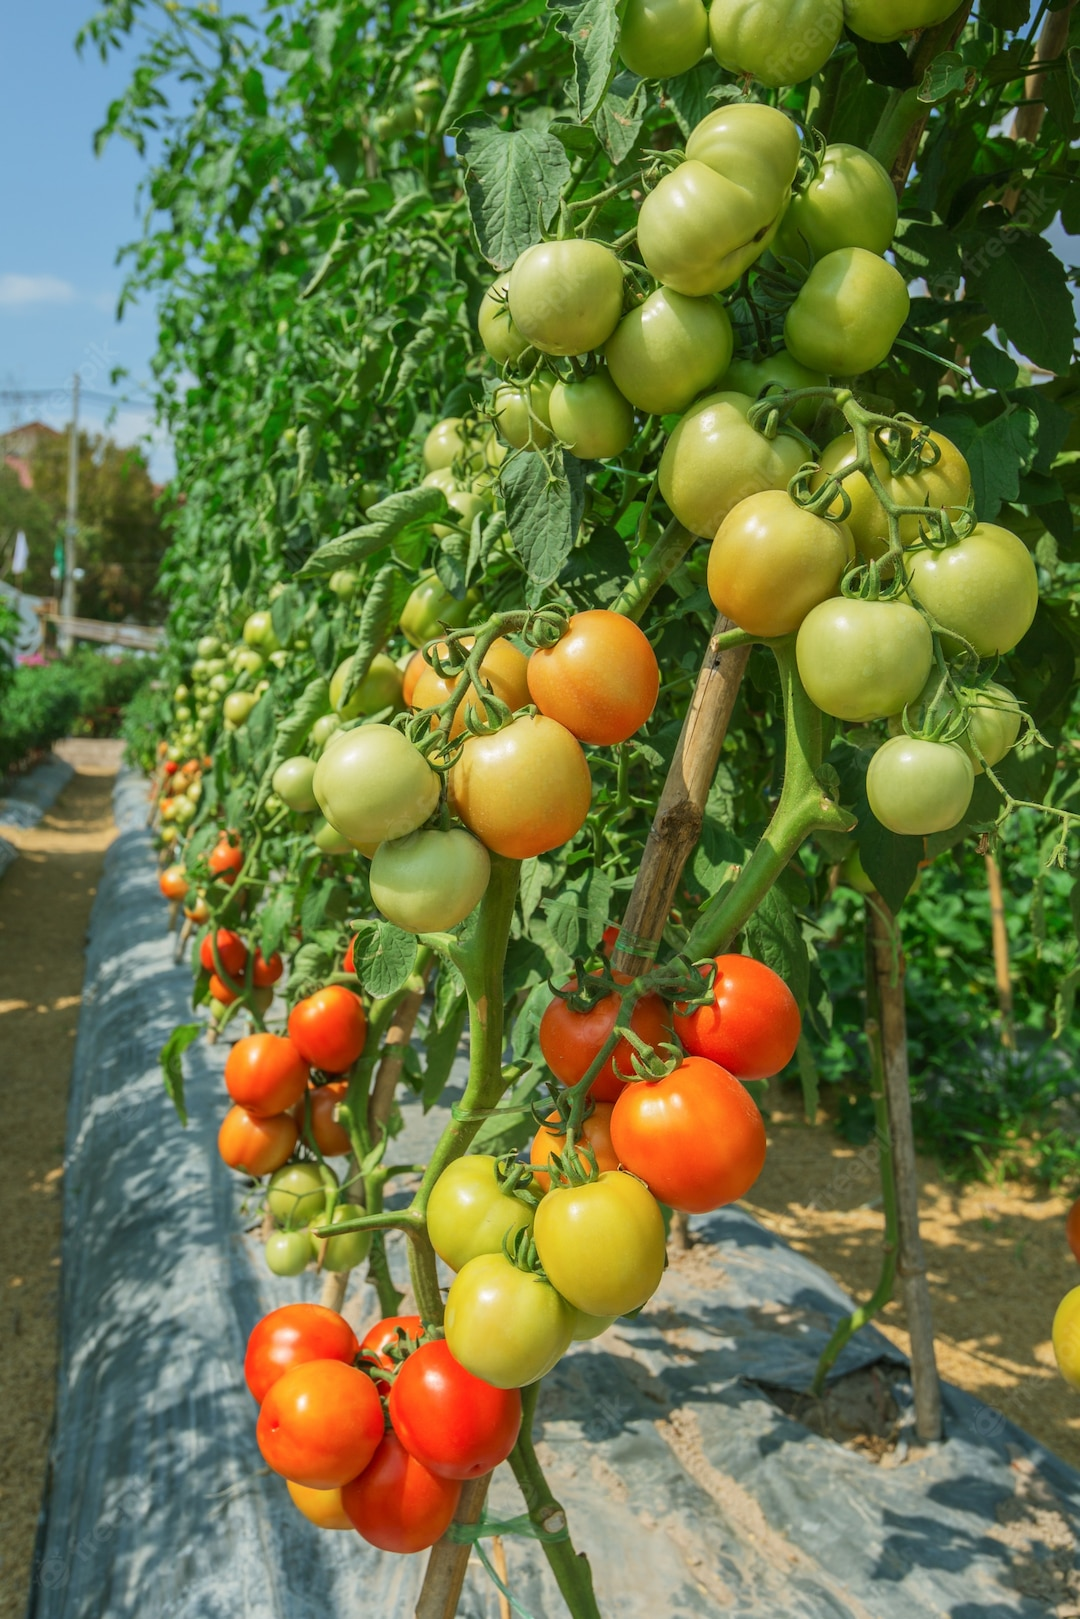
45	901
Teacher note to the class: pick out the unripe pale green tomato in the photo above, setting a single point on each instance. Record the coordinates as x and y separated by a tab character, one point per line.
663	353
464	505
444	444
882	23
250	661
288	1253
428	96
344	582
429	881
373	785
469	1214
207	646
442	478
714	459
238	706
217	666
328	839
279	658
271	804
220	684
259	632
348	1250
755	376
380	688
994	718
199	671
494	456
864	660
772	561
431	605
848	313
659	39
183	713
324	728
506	1325
184	810
566	297
261	686
779	42
587	1327
205	712
168	836
296	1194
181	694
698	231
194	791
984	588
292	783
523	414
851	202
370	494
591	418
753	144
499	335
943	486
1065	1335
916	788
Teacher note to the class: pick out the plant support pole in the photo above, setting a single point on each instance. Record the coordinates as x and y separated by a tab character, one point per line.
1000	934
445	1575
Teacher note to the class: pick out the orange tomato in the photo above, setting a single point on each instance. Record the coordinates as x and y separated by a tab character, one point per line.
254	1145
596	1132
523	790
600	681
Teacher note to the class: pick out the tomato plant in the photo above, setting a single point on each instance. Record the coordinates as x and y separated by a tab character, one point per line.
396	1503
454	1424
750	1025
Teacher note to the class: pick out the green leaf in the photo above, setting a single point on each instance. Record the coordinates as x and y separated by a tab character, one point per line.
441	1047
888	64
809	1078
385	521
992	367
467	79
1007	14
543	510
513	181
619	117
996	454
1074	906
592	27
1026	292
688	95
773	935
578	914
274	920
946	76
286	611
384	957
172	1070
385	598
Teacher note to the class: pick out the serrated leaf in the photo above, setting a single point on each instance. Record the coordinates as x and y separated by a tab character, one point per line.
534	874
578	914
543	510
592	27
996	452
1025	288
384	957
385	521
467	78
385	598
688	95
172	1070
619	116
513	181
773	935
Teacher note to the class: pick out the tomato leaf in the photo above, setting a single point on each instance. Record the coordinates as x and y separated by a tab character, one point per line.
513	181
619	117
385	521
543	511
946	76
578	914
385	598
592	27
1025	289
172	1070
441	1043
996	453
274	919
688	95
384	956
773	935
468	76
887	64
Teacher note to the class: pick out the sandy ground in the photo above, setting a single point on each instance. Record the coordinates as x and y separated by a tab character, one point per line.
45	901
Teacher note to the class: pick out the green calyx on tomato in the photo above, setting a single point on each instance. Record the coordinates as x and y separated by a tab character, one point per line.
929	474
499	335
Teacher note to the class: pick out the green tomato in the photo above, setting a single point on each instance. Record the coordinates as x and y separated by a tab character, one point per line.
523	413
767	539
220	684
587	1327
328	839
466	504
181	694
444	445
344	582
442	478
943	485
848	314
428	96
602	1245
499	335
429	608
297	1193
505	1325
916	788
885	20
183	713
663	353
238	706
380	688
373	785
250	661
566	297
429	881
850	202
984	588
755	376
754	145
469	1214
279	658
714	459
993	715
288	1253
348	1250
778	42
591	418
698	231
659	39
864	660
259	632
324	728
292	783
207	646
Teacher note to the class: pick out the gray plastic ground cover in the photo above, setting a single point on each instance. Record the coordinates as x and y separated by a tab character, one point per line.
25	799
692	1494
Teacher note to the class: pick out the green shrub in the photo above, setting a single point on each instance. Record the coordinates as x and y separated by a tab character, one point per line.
84	695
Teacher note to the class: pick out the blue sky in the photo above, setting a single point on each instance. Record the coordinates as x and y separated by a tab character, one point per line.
65	214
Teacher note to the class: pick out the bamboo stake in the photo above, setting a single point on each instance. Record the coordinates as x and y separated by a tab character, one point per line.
1053	40
1000	935
445	1575
498	1557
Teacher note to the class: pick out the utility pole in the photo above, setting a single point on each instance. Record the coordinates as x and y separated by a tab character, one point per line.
67	598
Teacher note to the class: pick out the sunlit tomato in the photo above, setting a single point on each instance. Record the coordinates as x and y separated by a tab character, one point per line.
1072	1229
1066	1337
410	675
468	1212
380	688
602	1245
197	909
226	859
444	445
292	783
323	1508
885	20
548	1143
848	313
259	632
397	1504
778	42
265	1073
750	1027
523	790
173	882
659	39
571	1041
664	352
465	505
329	1028
287	1253
220	991
238	706
772	561
231	949
429	881
391	1330
600	680
429	608
296	1195
373	784
256	1146
916	787
698	231
695	1138
944	484
752	143
984	588
760	373
992	714
499	335
566	297
289	1337
503	668
331	1138
591	418
714	459
454	1424
523	412
320	1424
265	972
171	767
849	202
864	660
506	1325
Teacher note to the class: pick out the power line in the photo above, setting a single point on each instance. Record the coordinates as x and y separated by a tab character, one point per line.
15	395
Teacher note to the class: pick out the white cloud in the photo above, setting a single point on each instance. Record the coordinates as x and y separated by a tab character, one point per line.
16	290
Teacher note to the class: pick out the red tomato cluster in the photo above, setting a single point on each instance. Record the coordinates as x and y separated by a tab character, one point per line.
232	953
266	1076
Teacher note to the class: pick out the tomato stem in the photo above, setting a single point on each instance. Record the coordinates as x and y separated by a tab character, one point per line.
570	1568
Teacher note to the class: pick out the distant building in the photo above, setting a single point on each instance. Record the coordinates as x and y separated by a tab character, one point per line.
21	442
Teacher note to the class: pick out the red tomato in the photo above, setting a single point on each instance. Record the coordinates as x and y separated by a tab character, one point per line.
232	953
595	1132
1072	1228
173	882
266	1074
695	1138
291	1336
349	963
264	972
600	681
226	859
752	1026
171	767
610	939
571	1040
256	1146
397	1504
320	1423
453	1423
331	1138
329	1028
384	1332
220	991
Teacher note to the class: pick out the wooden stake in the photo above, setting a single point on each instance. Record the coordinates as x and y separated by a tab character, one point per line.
498	1557
1052	42
1000	935
445	1575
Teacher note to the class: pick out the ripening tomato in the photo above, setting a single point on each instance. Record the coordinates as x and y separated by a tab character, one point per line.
197	909
469	1213
984	588
943	484
323	1508
916	787
173	882
231	949
571	1041
752	1024
329	1028
454	1424
1065	1335
254	1145
659	39
759	373
664	352
1072	1229
566	297
885	20
695	1138
523	790
849	202
549	1143
778	42
403	1330
373	784
503	668
772	561
591	418
320	1424
600	680
226	858
505	1325
220	991
265	972
331	1138
848	313
864	660
714	459
499	335
397	1504
265	1073
292	782
291	1335
602	1245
